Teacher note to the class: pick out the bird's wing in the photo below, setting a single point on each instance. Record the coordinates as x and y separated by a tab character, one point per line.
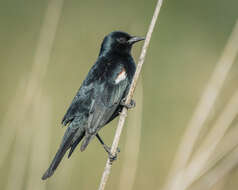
79	105
106	99
82	101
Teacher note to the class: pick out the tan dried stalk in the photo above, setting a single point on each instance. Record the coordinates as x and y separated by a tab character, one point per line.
224	148
129	96
206	149
132	143
212	90
19	120
218	172
40	145
227	144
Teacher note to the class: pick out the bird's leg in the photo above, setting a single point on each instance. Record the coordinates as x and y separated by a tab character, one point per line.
131	105
108	149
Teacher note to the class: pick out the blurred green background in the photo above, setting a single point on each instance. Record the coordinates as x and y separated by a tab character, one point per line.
186	44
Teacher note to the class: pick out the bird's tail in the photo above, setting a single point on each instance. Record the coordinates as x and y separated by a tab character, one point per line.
65	145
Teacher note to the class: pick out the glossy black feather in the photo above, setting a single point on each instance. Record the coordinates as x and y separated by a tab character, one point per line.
97	102
66	143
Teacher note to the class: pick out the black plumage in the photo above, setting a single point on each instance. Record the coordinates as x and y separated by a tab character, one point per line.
98	101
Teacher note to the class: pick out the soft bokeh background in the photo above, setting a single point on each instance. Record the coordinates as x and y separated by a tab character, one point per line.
186	44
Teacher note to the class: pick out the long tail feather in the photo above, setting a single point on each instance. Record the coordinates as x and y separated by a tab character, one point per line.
65	145
76	143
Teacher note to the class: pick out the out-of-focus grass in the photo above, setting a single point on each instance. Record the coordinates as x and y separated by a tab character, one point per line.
184	173
180	60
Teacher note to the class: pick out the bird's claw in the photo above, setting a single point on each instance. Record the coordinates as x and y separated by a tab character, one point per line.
131	105
110	155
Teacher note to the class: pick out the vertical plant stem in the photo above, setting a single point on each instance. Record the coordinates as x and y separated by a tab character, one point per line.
217	173
227	144
20	111
224	148
132	144
40	145
129	96
202	111
211	141
19	158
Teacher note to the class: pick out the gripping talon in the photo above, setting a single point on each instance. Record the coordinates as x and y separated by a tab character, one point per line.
131	105
108	149
110	155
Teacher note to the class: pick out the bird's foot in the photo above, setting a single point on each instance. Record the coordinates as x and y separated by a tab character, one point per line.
131	105
111	156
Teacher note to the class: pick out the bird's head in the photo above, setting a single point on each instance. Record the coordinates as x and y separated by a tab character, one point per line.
118	42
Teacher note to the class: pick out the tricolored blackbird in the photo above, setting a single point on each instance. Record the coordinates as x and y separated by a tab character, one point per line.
101	96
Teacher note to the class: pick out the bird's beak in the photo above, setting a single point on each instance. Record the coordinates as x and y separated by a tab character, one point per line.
135	39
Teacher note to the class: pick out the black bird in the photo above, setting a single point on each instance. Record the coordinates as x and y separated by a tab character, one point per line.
101	96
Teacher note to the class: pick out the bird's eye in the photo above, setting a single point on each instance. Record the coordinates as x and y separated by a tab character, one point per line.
121	40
